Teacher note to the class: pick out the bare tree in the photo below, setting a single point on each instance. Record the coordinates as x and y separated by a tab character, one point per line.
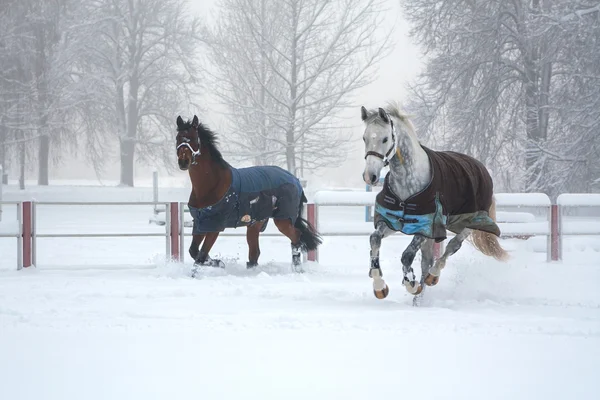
17	86
287	68
40	96
495	83
57	92
141	63
573	151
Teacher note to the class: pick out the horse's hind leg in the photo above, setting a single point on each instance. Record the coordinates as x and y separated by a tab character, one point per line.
252	234
409	281
380	288
454	244
426	257
286	227
426	263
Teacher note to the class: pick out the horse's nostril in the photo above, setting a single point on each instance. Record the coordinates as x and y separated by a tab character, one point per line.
373	178
183	163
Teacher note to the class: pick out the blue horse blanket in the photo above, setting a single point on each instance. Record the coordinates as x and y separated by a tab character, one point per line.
255	194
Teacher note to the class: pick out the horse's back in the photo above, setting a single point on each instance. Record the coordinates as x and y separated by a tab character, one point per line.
264	178
268	192
465	182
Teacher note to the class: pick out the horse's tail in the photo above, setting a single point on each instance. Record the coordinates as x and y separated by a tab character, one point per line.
488	243
309	237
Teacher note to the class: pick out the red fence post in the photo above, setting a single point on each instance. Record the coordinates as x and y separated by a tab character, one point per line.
174	230
555	233
311	217
27	224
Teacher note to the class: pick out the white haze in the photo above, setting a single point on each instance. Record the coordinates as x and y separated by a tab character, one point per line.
393	72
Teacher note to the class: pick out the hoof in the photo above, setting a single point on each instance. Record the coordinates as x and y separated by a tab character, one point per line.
380	288
413	287
251	265
211	262
419	290
297	262
431	280
298	269
383	293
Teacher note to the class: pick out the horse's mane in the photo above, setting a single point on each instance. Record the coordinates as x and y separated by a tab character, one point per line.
207	138
394	110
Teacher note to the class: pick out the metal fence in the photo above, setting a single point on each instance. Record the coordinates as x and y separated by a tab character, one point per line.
19	233
554	228
549	228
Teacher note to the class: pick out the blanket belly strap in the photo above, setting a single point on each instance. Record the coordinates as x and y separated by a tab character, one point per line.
431	225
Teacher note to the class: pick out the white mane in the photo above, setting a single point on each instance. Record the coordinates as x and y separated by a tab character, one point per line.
393	109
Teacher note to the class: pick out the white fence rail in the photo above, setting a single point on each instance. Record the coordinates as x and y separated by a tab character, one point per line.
9	230
553	224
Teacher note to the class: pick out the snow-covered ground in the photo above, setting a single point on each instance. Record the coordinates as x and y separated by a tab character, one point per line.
111	319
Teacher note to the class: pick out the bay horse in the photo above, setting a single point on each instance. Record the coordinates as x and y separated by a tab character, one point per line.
226	197
424	193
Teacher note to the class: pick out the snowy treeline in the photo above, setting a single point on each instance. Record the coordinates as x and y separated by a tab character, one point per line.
515	83
287	69
80	76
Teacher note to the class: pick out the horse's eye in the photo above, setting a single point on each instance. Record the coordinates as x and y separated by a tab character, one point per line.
385	139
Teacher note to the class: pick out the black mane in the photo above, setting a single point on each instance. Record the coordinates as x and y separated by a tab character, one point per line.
207	138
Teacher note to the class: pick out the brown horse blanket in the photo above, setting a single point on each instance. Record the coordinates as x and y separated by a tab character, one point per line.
458	196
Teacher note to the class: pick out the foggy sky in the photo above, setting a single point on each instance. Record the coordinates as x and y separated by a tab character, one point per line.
397	69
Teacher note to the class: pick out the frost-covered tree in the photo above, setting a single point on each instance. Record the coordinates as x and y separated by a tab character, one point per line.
573	150
500	83
141	61
57	92
17	86
287	68
39	96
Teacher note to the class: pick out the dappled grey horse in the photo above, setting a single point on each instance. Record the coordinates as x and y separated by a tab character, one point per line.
424	193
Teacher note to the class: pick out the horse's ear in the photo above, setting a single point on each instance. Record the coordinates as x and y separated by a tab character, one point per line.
363	113
195	122
179	121
384	115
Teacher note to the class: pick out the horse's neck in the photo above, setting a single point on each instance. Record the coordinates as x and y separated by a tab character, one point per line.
210	182
410	173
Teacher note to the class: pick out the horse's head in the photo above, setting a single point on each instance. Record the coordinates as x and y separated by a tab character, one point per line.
187	142
380	142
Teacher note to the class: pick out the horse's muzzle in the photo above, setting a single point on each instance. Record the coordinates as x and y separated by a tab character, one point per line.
184	163
370	178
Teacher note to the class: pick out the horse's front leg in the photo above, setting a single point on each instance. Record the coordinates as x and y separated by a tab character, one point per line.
203	258
194	249
408	257
427	257
380	288
433	277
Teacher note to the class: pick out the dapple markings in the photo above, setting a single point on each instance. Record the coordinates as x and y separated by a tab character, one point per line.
425	192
